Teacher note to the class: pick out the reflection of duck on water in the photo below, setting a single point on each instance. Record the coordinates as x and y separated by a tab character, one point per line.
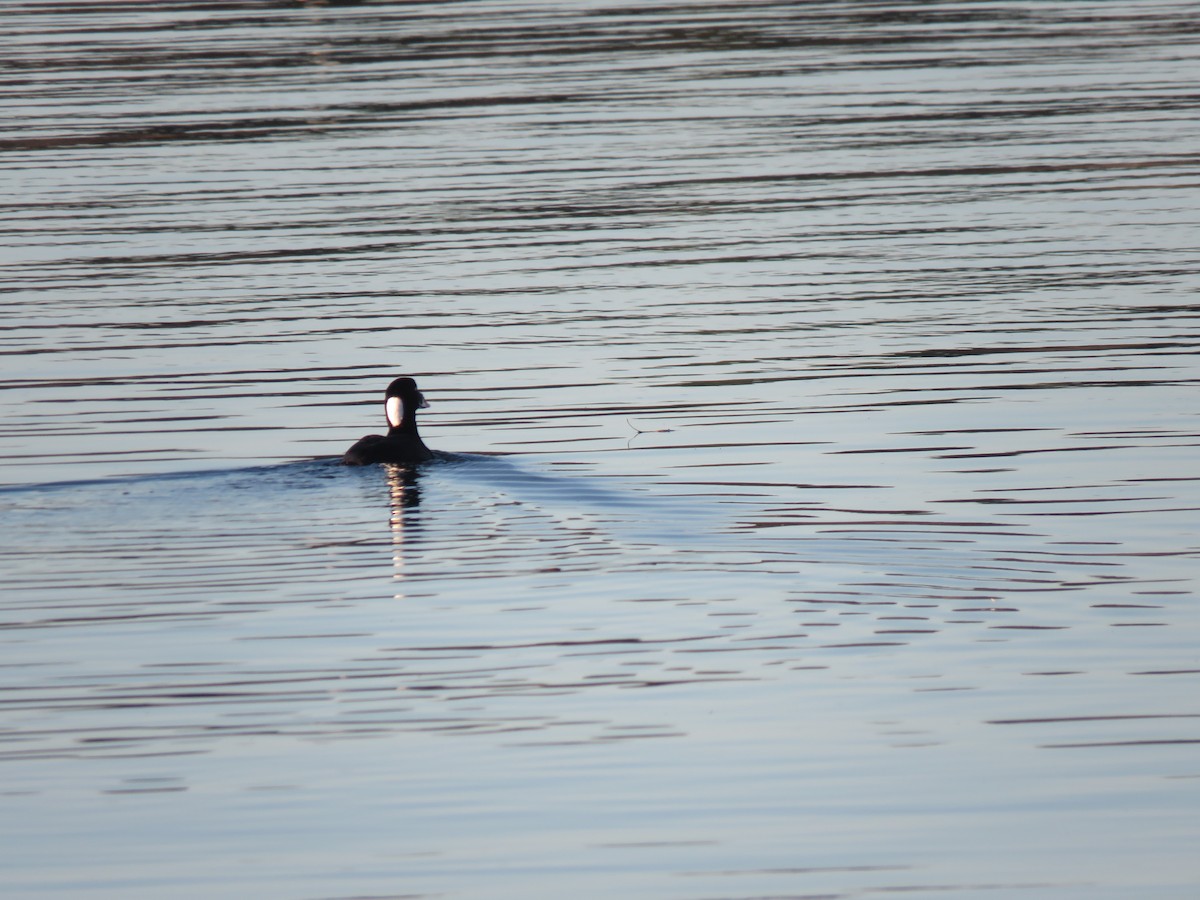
405	490
402	444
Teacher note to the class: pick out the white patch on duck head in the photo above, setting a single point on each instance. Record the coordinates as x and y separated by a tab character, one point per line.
395	411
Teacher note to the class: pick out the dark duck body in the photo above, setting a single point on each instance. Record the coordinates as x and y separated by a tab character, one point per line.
402	444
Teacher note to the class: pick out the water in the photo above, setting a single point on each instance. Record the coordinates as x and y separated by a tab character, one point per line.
832	370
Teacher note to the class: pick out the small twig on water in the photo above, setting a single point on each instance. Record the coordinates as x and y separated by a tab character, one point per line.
637	431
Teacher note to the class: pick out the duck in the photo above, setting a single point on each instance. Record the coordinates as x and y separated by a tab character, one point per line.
402	444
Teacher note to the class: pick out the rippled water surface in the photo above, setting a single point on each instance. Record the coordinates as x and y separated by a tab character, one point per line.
825	382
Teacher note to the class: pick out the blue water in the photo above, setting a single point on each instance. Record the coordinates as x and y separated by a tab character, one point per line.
822	386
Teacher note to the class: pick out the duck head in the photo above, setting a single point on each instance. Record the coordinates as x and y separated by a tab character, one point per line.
401	403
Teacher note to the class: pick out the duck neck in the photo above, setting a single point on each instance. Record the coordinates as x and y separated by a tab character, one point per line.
408	425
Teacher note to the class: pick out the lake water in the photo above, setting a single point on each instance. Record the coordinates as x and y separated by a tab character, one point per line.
827	375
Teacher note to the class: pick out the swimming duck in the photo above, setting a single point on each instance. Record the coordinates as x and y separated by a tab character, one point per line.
401	444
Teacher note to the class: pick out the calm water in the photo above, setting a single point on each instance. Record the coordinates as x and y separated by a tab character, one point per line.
834	369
